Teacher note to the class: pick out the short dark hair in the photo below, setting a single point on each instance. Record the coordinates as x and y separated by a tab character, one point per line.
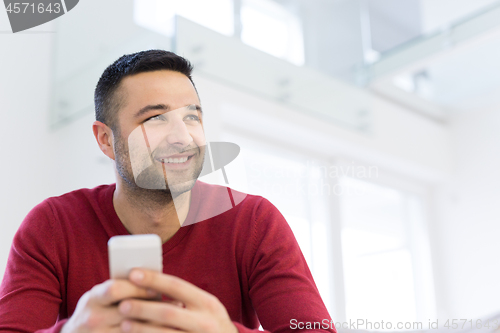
107	103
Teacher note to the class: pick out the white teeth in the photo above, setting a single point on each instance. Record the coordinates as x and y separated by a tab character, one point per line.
175	160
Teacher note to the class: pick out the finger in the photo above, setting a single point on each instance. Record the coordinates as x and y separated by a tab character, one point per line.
112	291
166	299
158	313
176	303
114	329
172	286
104	317
130	326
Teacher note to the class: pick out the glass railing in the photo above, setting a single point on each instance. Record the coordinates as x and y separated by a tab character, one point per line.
229	61
422	47
79	61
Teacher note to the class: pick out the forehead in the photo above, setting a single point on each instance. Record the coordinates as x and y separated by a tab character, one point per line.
158	87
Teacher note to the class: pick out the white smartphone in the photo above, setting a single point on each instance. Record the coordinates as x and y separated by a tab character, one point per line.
132	251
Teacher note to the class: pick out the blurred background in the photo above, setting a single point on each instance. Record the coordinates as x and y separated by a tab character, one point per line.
371	124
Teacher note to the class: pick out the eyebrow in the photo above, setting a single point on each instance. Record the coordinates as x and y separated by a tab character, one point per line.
164	107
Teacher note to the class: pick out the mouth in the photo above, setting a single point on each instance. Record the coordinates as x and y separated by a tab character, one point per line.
176	161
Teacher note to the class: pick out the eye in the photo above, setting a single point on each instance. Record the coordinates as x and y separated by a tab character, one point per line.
157	117
193	117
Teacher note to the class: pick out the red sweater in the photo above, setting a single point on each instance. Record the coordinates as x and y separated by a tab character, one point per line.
247	257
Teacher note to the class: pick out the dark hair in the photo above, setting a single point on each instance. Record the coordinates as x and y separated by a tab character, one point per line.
106	101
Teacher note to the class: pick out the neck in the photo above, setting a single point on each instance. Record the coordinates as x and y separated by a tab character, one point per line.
145	211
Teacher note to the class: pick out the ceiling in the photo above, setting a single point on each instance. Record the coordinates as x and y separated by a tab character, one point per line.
461	75
450	70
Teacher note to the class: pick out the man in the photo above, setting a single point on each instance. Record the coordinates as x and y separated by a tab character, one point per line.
223	272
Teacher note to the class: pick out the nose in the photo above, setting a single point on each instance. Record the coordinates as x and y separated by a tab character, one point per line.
178	133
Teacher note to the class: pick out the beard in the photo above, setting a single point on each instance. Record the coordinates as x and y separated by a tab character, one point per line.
154	184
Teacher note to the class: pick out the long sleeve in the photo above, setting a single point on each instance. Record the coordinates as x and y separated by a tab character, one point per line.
30	293
282	288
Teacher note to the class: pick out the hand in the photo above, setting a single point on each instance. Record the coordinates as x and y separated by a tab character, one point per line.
202	313
97	309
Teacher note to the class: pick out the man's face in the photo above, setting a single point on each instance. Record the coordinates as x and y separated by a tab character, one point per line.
160	143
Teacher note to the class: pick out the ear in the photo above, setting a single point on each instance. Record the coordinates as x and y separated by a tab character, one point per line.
104	137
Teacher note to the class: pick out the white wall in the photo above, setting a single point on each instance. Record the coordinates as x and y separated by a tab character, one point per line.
37	163
470	217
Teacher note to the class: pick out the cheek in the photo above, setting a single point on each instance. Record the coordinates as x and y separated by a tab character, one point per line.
136	141
138	151
155	138
152	135
198	136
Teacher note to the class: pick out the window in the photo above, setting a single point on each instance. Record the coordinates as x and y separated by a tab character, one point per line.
292	182
383	246
265	25
158	15
385	262
273	29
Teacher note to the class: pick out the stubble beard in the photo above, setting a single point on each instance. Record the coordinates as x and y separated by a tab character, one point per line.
150	196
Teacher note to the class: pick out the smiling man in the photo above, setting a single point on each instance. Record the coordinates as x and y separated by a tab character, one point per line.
162	110
223	272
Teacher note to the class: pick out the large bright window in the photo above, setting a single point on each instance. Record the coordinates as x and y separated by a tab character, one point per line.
384	253
384	268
